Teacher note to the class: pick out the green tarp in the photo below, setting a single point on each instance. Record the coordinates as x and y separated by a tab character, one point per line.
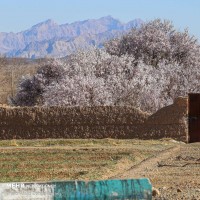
140	189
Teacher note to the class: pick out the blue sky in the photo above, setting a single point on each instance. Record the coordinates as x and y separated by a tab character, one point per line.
18	15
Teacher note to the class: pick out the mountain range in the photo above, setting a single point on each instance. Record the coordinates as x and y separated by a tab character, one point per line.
49	39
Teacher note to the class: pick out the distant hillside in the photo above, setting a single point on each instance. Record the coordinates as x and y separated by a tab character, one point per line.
48	39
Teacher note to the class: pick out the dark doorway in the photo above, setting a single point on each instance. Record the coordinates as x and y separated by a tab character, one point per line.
194	117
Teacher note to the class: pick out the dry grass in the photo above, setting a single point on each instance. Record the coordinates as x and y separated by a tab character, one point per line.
43	160
11	71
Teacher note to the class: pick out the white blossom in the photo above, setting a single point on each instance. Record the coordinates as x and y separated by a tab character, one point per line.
147	69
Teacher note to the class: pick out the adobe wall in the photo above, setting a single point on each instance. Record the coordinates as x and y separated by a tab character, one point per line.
74	122
169	122
94	122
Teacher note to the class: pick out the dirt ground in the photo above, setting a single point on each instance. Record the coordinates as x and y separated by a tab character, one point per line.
174	172
172	167
65	159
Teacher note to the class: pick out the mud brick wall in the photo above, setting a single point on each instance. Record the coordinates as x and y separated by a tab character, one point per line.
65	122
168	122
94	122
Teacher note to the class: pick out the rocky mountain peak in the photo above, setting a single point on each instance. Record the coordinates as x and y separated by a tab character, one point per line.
47	22
62	39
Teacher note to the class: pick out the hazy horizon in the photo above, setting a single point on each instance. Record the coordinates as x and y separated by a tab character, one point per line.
21	15
81	20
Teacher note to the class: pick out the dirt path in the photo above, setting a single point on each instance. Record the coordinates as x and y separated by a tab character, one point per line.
138	170
63	147
175	172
